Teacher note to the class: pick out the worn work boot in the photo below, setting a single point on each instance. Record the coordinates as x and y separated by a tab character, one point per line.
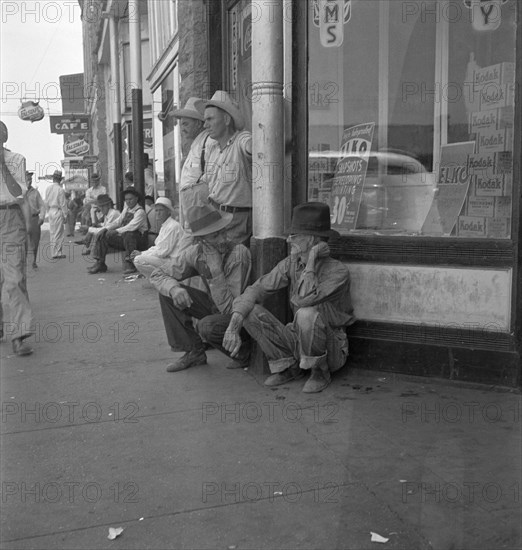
289	374
242	360
98	267
21	348
320	376
129	268
192	358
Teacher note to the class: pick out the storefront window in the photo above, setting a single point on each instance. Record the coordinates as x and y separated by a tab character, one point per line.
411	110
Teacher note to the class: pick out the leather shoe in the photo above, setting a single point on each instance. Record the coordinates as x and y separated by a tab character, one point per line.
79	242
291	373
130	271
98	267
59	257
317	382
20	348
192	358
35	265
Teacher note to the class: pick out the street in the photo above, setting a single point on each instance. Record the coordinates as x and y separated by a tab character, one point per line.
97	435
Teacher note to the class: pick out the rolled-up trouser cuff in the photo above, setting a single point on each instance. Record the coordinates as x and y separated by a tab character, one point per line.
279	365
307	362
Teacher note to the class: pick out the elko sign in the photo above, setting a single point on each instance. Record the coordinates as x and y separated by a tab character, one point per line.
67	124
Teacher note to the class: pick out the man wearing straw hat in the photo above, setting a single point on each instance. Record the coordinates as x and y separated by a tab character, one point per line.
193	188
57	208
229	166
170	240
224	266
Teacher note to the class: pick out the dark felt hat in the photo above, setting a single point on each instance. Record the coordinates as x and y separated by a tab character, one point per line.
132	191
102	200
312	218
203	219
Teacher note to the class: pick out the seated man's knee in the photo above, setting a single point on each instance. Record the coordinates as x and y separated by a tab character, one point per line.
306	317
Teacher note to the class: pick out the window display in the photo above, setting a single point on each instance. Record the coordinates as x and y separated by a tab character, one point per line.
411	110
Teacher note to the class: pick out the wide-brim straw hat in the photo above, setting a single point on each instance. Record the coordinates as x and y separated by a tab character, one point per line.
222	100
167	203
203	219
191	110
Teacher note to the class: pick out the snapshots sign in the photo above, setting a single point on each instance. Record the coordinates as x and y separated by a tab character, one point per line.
350	174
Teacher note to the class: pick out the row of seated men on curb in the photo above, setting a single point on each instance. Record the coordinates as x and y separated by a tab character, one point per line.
223	309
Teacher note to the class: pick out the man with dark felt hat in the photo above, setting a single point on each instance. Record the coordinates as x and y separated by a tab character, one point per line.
319	291
225	268
128	232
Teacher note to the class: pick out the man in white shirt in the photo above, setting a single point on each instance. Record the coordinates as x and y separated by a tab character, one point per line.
91	195
105	214
13	242
57	207
170	241
128	232
193	188
36	209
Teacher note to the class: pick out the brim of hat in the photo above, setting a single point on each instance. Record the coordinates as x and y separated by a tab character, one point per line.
226	218
132	192
330	233
170	208
104	203
239	121
187	113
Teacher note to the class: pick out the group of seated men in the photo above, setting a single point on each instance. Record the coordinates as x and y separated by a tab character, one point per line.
224	310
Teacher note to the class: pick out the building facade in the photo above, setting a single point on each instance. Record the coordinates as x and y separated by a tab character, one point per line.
405	118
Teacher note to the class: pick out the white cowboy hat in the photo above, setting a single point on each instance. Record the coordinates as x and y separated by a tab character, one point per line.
222	100
163	201
191	110
203	219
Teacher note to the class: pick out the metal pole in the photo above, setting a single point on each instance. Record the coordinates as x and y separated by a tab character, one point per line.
267	123
116	111
136	95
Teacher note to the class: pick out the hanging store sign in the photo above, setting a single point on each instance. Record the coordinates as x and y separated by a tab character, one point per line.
67	124
76	146
486	15
331	16
30	110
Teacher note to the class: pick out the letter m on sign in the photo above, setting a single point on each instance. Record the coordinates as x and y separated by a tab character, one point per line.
331	16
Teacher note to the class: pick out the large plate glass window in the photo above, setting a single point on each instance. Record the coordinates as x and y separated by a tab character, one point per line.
411	110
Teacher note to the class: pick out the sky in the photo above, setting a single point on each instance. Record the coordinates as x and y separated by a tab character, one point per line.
39	41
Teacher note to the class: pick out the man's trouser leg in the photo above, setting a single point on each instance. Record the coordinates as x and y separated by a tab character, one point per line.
146	264
181	334
13	240
35	232
56	231
104	241
212	329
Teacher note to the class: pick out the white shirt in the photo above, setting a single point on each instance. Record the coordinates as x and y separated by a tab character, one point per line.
92	193
138	222
16	165
55	198
168	241
191	171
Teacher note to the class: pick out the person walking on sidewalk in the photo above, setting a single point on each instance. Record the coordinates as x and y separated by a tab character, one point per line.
36	212
225	266
57	207
13	245
228	170
128	232
319	293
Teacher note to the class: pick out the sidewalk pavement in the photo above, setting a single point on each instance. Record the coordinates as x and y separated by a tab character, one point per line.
97	435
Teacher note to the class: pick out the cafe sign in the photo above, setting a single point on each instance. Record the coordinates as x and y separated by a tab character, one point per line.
30	110
67	124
